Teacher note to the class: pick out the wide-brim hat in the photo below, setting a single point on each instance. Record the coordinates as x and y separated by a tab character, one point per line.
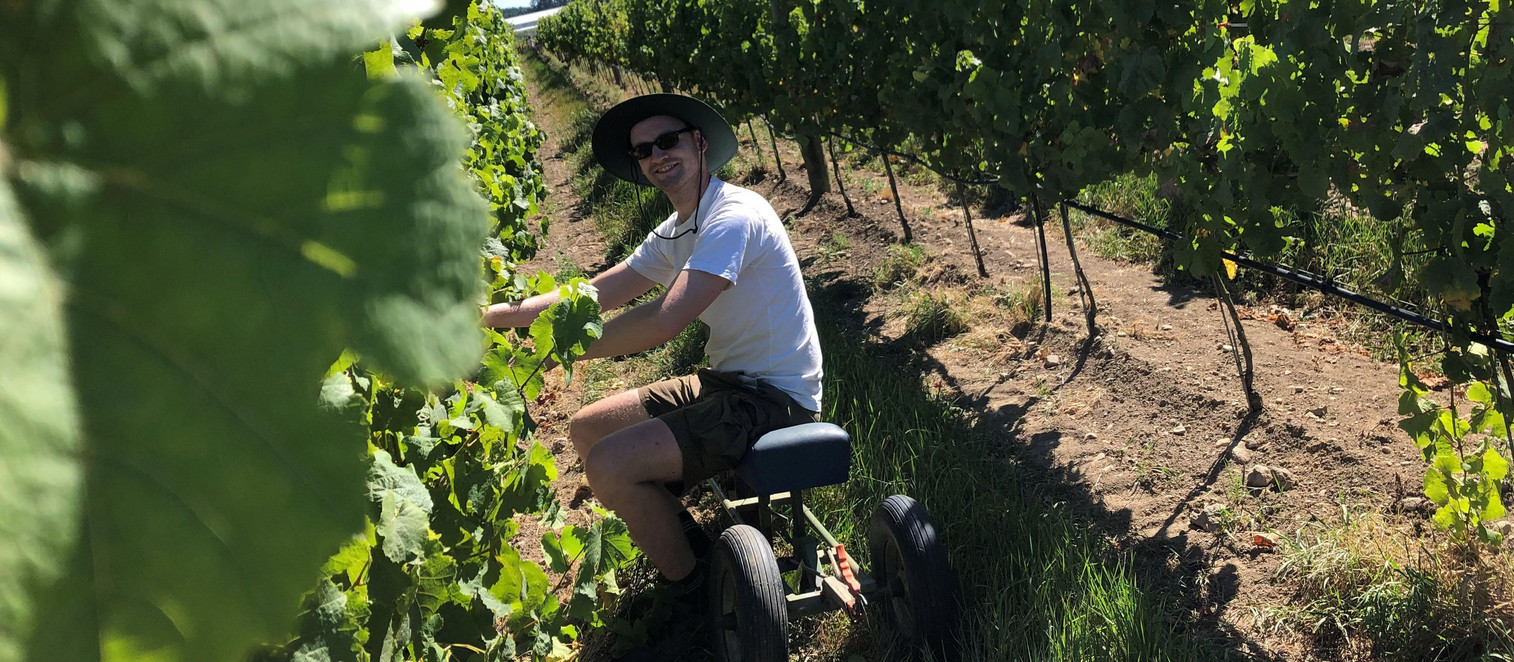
612	135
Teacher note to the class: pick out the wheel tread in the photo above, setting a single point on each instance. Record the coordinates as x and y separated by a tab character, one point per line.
758	585
925	564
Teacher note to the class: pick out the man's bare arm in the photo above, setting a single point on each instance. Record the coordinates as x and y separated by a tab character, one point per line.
659	320
617	286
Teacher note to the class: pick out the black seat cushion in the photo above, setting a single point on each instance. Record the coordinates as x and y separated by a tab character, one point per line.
797	458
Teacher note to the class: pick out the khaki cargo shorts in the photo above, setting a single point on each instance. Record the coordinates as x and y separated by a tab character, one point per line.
717	416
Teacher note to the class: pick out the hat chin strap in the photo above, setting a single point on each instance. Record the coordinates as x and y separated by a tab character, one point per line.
698	202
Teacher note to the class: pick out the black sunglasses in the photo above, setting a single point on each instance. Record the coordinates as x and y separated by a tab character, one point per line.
663	142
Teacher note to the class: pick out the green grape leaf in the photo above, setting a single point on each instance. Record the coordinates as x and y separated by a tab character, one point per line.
528	487
397	410
554	517
1141	73
562	550
1490	419
1492	506
231	205
1454	281
528	375
351	562
1463	365
474	484
1437	485
522	585
1480	393
39	441
565	329
386	478
436	582
507	413
1420	427
404	508
403	529
475	587
1501	284
617	541
339	393
1488	536
1494	465
327	628
1445	518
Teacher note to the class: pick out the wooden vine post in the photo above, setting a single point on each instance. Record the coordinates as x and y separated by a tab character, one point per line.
755	147
1240	348
1085	288
972	235
909	237
1035	206
840	185
777	158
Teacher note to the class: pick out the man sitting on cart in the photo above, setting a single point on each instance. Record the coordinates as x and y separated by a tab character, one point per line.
724	258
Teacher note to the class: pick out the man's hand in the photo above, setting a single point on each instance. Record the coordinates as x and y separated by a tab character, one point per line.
617	285
659	320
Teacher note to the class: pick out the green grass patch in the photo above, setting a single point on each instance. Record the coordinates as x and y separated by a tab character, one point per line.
1129	196
900	265
1022	302
1364	590
1034	582
929	317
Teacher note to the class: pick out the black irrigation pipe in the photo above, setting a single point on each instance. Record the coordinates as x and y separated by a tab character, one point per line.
1309	280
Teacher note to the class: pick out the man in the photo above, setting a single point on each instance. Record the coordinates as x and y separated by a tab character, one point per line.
725	258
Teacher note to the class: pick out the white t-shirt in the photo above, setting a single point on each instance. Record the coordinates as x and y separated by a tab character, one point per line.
762	325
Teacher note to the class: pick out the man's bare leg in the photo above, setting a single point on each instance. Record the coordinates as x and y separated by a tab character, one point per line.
626	470
602	418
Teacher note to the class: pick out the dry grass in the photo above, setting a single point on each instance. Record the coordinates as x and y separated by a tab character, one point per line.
1365	588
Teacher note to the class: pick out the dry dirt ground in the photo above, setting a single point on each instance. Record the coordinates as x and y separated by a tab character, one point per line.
1141	430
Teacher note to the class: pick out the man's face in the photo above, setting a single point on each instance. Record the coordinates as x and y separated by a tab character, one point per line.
671	168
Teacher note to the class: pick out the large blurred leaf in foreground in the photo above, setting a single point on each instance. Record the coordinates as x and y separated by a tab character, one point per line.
39	473
230	203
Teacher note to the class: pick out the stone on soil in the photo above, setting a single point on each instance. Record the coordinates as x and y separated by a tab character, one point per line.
1259	477
1415	505
1284	478
1209	518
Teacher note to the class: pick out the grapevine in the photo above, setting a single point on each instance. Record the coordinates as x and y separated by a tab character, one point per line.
1250	114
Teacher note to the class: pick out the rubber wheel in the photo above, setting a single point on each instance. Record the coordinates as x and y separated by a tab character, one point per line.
909	564
748	605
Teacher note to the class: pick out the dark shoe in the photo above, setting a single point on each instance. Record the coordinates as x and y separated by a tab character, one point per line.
688	594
